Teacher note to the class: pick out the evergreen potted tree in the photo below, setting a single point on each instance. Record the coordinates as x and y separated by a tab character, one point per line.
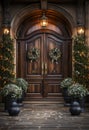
6	60
81	60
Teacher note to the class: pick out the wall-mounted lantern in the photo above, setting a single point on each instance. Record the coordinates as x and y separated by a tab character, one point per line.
44	21
80	30
6	30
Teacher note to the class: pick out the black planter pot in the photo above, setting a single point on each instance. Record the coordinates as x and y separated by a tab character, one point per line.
7	102
81	102
87	99
67	98
75	108
14	109
20	100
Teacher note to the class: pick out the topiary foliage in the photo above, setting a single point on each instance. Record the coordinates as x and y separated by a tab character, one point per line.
6	59
81	60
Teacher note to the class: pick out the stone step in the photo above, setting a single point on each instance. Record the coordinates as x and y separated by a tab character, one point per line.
42	104
49	95
50	98
44	99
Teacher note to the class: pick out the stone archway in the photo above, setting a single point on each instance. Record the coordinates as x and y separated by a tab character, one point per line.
24	13
22	29
57	35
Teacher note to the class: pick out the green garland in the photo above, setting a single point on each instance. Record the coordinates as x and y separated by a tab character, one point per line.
33	54
55	55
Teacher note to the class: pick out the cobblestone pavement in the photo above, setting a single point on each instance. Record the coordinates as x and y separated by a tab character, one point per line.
44	117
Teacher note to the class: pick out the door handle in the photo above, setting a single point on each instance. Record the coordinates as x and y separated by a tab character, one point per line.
42	68
45	68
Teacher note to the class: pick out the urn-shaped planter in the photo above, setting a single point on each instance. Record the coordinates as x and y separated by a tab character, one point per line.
67	98
75	108
14	109
20	99
82	104
7	102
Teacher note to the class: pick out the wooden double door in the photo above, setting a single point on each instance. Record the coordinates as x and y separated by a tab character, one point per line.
44	75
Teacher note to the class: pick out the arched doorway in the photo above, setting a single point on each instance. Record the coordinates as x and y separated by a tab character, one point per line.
44	75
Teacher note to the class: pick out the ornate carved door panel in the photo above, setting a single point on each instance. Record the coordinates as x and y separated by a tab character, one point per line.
44	75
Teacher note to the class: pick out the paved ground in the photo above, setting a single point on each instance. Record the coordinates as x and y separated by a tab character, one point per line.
44	116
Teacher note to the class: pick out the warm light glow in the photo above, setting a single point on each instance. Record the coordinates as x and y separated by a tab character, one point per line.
44	21
80	30
6	31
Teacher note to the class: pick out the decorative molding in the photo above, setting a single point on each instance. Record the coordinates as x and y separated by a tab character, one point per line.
23	13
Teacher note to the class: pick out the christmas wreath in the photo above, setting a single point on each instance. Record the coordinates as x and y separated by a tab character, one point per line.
33	54
55	54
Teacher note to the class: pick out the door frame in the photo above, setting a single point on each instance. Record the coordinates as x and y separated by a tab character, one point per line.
18	73
49	32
